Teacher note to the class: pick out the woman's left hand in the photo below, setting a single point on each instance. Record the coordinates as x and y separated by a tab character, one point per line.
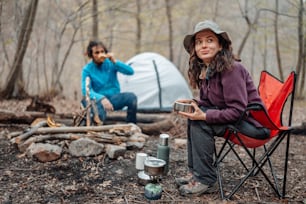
198	114
111	57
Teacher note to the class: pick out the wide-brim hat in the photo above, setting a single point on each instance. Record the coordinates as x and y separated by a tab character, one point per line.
203	25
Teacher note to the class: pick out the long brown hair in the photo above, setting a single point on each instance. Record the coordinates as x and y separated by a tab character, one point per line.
222	61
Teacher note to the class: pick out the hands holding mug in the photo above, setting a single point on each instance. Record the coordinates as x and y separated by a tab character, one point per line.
189	109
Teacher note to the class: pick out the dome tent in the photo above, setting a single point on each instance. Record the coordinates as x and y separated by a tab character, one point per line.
156	82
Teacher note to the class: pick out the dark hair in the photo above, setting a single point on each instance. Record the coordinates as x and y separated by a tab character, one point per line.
92	44
223	60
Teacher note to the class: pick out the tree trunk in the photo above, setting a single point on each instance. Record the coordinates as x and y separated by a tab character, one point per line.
279	62
138	27
14	87
250	26
301	52
170	27
303	63
95	22
5	52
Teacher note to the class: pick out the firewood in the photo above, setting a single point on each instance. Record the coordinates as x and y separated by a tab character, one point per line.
19	117
106	138
39	138
87	102
14	134
27	134
157	127
299	129
46	130
26	117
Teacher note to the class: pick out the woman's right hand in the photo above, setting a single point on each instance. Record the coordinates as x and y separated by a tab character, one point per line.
198	114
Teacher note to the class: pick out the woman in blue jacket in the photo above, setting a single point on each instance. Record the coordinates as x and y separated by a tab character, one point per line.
104	87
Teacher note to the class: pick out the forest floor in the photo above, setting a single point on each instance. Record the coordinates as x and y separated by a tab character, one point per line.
102	180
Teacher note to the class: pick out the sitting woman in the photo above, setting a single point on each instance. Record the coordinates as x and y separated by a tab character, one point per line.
226	88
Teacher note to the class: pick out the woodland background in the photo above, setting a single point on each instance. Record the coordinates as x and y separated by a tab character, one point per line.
43	42
42	46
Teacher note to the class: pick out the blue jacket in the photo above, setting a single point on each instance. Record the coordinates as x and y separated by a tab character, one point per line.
103	78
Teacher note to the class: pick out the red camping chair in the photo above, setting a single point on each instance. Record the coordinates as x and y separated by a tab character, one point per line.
274	94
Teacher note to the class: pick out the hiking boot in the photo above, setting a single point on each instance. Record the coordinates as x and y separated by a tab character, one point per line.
196	188
184	180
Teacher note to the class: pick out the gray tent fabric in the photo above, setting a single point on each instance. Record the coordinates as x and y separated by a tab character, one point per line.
157	82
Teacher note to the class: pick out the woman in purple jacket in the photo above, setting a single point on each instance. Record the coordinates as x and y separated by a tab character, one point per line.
226	88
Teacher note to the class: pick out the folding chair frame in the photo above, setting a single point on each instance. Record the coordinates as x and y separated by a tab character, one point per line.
258	163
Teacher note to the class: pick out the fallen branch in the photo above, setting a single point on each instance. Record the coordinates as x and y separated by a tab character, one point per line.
27	117
157	127
84	129
300	129
23	146
106	138
27	134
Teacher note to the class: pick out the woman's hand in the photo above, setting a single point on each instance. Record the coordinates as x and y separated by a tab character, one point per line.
111	57
185	101
198	114
108	106
102	57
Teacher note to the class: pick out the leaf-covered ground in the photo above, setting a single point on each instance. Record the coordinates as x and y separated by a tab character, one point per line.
101	180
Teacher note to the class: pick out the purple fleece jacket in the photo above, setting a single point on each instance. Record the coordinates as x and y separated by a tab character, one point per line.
229	92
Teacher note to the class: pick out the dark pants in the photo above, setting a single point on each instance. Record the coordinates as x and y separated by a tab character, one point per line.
119	101
200	144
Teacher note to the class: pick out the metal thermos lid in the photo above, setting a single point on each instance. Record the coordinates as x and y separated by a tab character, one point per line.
163	139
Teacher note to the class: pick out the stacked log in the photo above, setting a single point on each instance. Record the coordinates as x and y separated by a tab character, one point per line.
116	139
44	139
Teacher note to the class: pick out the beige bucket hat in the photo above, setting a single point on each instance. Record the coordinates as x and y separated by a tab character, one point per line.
207	24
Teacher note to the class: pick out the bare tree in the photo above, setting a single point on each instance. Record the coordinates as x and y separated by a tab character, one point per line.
138	27
265	51
95	22
216	10
250	24
134	26
56	85
1	36
278	57
46	79
170	27
301	53
15	85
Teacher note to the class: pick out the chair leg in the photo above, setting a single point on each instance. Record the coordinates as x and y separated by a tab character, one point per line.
219	177
220	158
286	165
272	170
251	171
272	148
257	165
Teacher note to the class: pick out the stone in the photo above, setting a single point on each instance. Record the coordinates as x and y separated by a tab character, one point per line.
114	151
44	152
85	147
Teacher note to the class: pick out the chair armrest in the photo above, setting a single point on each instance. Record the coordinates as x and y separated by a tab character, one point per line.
255	107
250	107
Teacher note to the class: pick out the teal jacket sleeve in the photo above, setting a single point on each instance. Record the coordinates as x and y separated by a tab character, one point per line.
124	68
